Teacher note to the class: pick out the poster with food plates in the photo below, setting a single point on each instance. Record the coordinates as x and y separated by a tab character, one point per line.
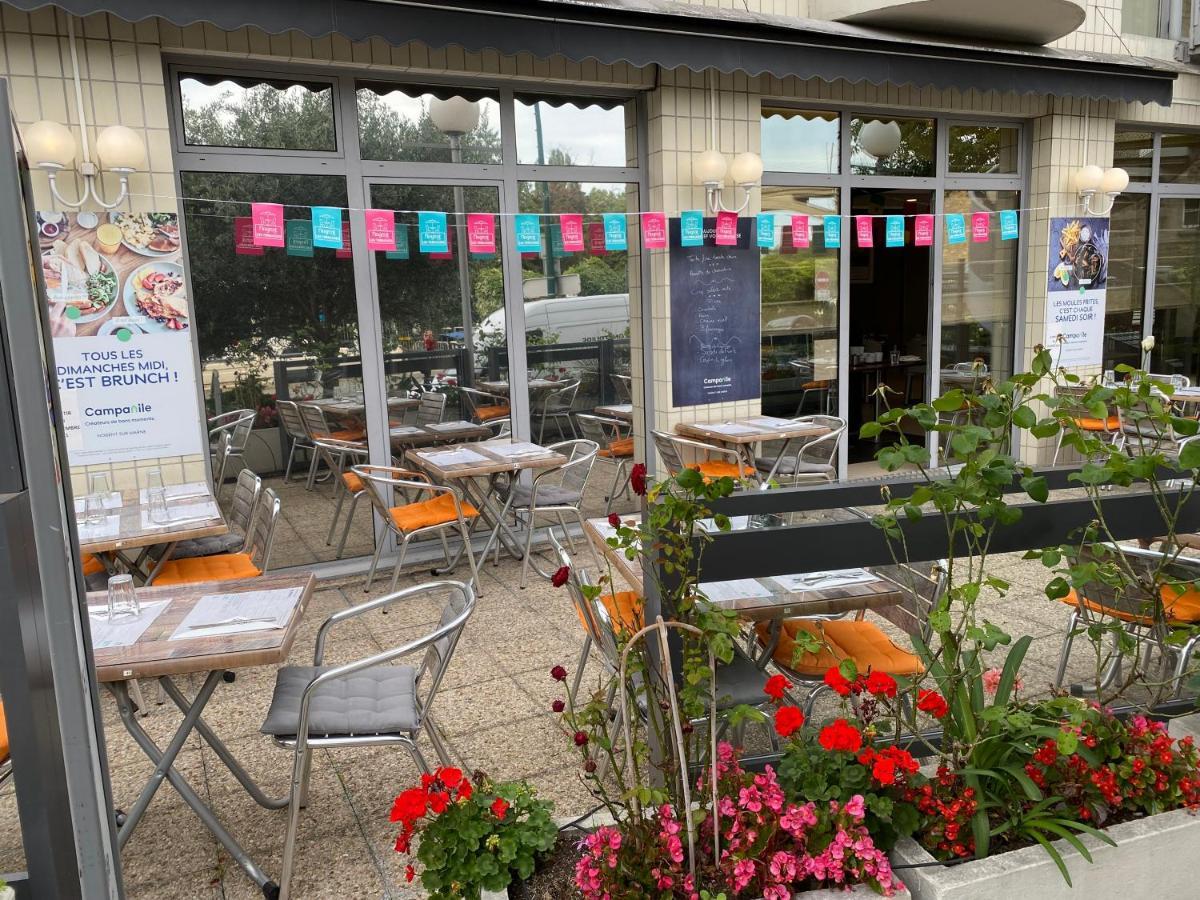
122	328
1077	288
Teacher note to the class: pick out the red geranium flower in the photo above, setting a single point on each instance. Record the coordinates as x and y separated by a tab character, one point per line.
881	684
465	790
500	808
559	578
558	673
438	801
837	682
614	520
933	703
788	720
410	805
450	777
775	687
841	735
637	479
409	873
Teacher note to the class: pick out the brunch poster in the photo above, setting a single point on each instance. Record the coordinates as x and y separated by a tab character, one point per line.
122	328
1077	273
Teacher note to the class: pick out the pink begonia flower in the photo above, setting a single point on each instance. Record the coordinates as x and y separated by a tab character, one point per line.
855	807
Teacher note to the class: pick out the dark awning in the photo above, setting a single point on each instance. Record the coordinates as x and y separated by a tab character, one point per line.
670	34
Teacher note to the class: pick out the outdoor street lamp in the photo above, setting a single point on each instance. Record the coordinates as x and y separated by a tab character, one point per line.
454	117
710	168
50	147
880	139
1088	181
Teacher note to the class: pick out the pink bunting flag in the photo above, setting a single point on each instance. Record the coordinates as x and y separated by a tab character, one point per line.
865	231
381	229
981	227
572	232
346	251
596	239
267	219
654	231
727	229
243	237
923	231
799	231
481	233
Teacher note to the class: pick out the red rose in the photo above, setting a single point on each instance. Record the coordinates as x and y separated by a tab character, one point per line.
614	520
409	873
788	720
581	739
450	777
837	682
933	703
500	808
558	673
589	766
559	578
558	706
776	686
841	735
637	479
881	684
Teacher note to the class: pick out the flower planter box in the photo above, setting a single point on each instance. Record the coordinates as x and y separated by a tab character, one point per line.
858	890
1154	858
263	451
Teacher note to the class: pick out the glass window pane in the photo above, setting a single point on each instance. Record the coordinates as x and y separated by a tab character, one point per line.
560	132
800	140
1140	17
263	113
984	149
799	307
892	147
405	122
979	289
1126	280
1177	289
1134	152
1179	158
274	326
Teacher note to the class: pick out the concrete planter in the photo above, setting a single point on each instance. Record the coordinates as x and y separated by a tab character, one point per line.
263	451
1154	858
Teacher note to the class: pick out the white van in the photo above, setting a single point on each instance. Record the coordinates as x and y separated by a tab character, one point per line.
568	320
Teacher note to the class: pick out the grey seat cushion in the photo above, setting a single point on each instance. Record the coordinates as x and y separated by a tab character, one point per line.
380	700
740	682
209	546
547	495
789	467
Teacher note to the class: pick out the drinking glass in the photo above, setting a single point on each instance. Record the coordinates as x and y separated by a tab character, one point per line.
156	501
93	509
122	598
154	480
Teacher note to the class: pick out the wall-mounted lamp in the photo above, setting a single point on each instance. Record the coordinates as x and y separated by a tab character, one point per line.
1089	181
50	147
710	168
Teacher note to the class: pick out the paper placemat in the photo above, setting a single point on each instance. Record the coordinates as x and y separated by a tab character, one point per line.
738	589
729	428
190	489
110	527
456	457
111	501
218	614
402	430
458	425
182	514
770	421
124	631
817	581
517	449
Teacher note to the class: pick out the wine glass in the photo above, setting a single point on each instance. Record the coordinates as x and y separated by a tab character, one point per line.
122	597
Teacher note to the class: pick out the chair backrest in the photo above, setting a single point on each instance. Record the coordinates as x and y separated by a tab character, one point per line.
262	530
459	606
433	404
624	386
1173	380
245	500
220	454
384	481
581	456
668	451
240	432
314	421
598	428
594	616
562	398
501	427
289	415
922	585
823	449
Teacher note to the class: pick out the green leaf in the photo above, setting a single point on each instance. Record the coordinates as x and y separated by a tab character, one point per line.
870	430
1053	854
1032	791
1066	835
1045	428
1012	665
1189	455
1057	588
950	401
1035	486
1024	417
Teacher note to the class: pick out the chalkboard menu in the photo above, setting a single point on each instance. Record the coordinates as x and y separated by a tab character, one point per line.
715	316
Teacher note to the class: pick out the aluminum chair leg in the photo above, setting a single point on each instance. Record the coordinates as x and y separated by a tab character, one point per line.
591	546
1064	654
287	470
337	512
299	763
418	757
399	564
579	666
438	741
374	566
567	533
312	471
346	528
528	545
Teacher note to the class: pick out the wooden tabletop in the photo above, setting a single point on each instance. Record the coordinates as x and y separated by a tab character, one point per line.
443	433
622	411
781	603
135	530
347	408
535	384
155	654
493	460
751	430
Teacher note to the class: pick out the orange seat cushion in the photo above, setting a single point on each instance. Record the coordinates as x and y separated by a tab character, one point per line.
91	564
349	435
222	567
1112	423
353	483
1181	608
785	651
438	511
621	448
487	413
3	735
815	385
859	640
719	468
626	610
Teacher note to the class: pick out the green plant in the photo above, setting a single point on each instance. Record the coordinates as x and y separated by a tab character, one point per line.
474	834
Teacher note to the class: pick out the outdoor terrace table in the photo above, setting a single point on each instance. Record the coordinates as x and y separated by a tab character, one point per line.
621	411
743	435
356	408
479	477
153	654
404	436
193	511
535	385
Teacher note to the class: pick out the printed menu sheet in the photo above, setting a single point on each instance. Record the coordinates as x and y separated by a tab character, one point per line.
123	631
218	614
816	581
738	589
108	527
186	491
456	457
517	449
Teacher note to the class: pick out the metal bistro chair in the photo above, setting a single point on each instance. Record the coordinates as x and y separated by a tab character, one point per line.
250	563
241	514
822	387
433	406
318	430
484	407
709	460
624	386
294	430
237	425
811	460
557	405
444	510
606	433
1109	428
345	484
365	703
555	492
